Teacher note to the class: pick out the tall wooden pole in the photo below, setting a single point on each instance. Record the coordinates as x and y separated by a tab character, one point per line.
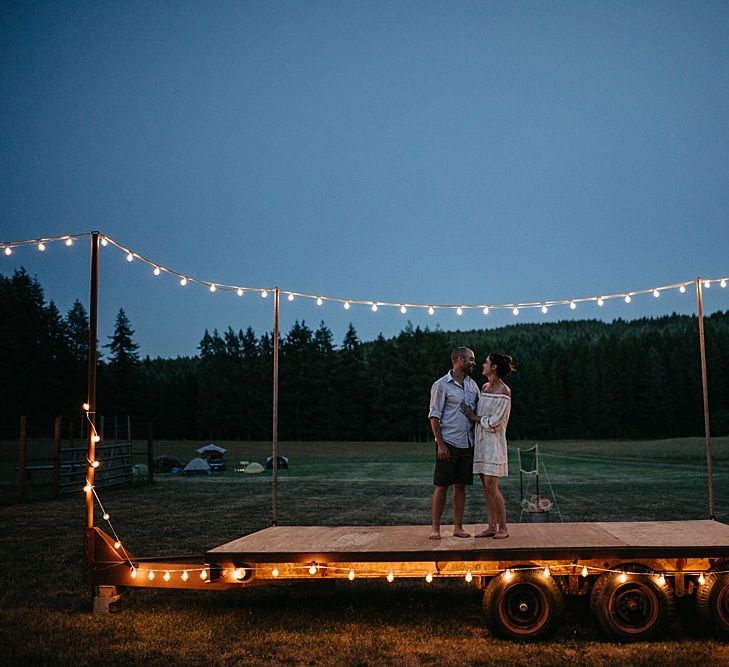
705	388
91	401
274	438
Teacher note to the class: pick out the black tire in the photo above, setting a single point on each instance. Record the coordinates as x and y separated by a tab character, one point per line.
636	609
526	606
712	603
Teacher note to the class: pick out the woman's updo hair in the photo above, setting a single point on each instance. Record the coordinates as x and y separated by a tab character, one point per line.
503	362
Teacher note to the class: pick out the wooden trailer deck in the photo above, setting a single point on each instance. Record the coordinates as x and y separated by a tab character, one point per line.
532	541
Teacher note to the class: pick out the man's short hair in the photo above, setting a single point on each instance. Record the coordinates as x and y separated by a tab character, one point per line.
460	353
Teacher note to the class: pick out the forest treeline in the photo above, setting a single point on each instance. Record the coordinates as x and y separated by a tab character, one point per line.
575	379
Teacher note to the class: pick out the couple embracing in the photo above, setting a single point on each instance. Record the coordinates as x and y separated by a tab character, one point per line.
469	425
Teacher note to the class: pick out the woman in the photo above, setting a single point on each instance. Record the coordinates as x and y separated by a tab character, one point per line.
489	454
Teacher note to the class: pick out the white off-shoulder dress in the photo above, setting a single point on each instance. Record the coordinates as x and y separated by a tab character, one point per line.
489	452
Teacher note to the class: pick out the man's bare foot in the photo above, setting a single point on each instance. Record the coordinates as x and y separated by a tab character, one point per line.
501	535
434	535
461	533
489	532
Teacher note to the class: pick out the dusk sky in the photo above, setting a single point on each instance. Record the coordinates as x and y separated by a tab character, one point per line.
420	152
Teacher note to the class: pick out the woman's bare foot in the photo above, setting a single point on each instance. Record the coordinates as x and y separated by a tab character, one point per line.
434	535
501	535
489	532
461	533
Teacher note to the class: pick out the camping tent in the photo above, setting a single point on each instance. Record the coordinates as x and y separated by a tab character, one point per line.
165	463
197	467
211	449
281	462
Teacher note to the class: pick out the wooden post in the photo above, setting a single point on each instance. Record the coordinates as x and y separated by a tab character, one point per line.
22	445
150	455
705	391
274	440
57	457
91	400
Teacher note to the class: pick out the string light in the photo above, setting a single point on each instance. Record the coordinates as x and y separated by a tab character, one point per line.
390	576
627	298
274	572
346	305
42	246
156	271
105	516
545	310
573	305
264	294
183	281
240	573
204	574
585	571
117	545
431	310
374	307
459	311
661	579
707	284
291	296
403	310
8	251
546	573
96	438
682	289
95	464
239	291
515	310
69	241
351	575
508	575
702	580
185	576
600	301
485	310
151	575
212	287
130	257
319	301
86	407
722	282
656	293
133	573
429	577
312	568
104	242
623	577
166	576
88	487
468	577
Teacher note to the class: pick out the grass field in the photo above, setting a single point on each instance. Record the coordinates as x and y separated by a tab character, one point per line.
44	606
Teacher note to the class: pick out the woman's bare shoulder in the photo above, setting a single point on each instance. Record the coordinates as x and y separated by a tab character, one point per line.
499	390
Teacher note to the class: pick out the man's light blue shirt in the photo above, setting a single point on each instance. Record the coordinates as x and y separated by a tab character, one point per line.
446	396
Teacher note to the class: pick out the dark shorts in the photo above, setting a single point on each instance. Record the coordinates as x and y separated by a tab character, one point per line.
457	470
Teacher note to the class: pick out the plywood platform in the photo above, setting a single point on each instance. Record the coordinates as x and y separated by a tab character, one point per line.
644	539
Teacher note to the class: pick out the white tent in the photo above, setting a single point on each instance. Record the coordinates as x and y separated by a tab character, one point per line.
211	447
197	467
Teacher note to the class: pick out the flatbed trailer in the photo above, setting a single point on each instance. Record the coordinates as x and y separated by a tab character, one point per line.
632	571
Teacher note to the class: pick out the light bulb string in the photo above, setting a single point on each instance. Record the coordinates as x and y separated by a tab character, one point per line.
374	303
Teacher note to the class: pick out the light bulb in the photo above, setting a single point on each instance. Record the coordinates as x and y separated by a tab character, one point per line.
96	438
403	310
291	296
431	310
508	575
374	307
8	251
429	577
42	246
130	257
204	574
459	311
133	573
264	294
627	298
469	577
69	241
623	577
485	310
351	575
346	305
166	576
94	464
707	284
319	301
85	407
545	310
240	573
213	288
183	281
702	580
239	291
585	571
546	574
88	488
391	576
656	293
312	568
104	242
682	289
105	517
515	311
156	271
117	545
185	576
661	579
150	576
274	572
723	282
600	302
573	305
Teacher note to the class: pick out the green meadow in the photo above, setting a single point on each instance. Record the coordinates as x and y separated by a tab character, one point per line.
44	613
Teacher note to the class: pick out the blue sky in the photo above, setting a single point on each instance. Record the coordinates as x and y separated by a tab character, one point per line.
426	152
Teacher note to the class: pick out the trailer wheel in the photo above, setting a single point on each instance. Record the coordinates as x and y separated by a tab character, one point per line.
635	609
524	605
712	602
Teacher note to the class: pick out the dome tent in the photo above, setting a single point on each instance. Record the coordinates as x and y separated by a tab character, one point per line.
197	466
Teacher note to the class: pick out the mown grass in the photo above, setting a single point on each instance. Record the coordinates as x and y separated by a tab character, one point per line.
44	605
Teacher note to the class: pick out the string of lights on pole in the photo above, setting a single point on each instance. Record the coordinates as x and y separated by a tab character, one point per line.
158	269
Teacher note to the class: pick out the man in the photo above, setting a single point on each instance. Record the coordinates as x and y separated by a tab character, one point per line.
453	438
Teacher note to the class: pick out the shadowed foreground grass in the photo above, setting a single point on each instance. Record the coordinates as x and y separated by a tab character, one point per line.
44	606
